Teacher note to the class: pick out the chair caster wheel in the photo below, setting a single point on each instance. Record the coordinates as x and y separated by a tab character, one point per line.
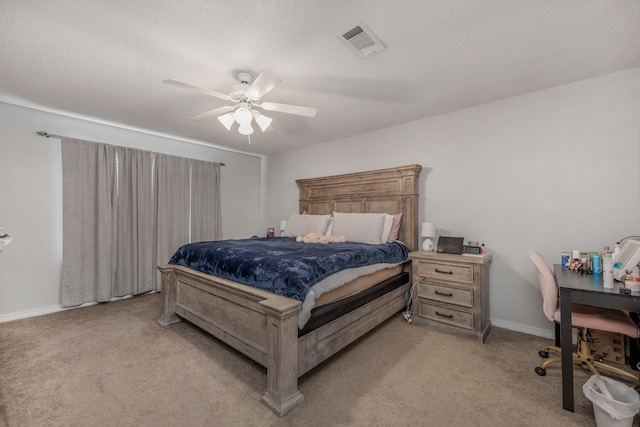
540	371
544	354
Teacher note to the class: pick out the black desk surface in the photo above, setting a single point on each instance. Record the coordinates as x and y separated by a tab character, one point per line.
577	281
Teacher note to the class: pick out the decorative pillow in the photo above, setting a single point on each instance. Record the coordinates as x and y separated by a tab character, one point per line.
386	229
359	227
395	228
301	225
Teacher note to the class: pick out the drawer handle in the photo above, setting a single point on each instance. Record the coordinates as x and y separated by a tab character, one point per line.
443	271
448	316
447	294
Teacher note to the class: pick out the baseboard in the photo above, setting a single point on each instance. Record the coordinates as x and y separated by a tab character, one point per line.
51	309
30	313
525	329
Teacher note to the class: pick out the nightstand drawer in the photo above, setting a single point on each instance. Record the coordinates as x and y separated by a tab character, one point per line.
447	294
448	272
441	314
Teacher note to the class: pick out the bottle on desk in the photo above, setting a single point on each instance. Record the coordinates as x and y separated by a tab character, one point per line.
607	270
587	264
595	261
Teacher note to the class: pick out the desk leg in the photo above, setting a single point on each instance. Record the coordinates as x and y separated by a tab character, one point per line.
567	350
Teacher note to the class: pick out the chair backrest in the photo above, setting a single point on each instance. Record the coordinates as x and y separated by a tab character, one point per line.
548	285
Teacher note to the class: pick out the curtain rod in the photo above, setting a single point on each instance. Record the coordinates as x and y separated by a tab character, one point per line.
51	135
47	135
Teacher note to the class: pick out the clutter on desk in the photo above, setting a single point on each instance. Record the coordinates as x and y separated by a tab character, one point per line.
632	283
594	262
578	262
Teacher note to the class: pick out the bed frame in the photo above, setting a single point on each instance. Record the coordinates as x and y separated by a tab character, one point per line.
264	326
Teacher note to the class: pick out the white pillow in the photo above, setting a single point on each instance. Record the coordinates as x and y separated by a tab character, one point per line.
386	229
359	227
301	225
330	227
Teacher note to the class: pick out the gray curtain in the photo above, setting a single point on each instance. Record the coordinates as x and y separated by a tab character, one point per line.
125	211
205	201
135	230
88	191
172	214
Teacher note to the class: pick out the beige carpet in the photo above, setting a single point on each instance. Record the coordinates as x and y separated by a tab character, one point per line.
112	365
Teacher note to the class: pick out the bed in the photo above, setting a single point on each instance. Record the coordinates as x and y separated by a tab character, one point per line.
264	326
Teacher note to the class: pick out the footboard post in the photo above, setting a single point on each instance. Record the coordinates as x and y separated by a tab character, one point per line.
282	355
168	315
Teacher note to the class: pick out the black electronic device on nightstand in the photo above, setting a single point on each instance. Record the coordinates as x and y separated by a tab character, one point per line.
473	250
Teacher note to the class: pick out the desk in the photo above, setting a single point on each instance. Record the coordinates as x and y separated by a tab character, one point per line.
587	289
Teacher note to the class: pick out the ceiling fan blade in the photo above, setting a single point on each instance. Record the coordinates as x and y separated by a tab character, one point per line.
291	109
214	113
262	85
198	89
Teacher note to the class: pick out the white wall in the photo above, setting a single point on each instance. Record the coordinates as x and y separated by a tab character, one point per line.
31	198
553	171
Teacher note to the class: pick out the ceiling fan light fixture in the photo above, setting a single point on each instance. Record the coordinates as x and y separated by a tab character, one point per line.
263	121
242	114
245	129
246	97
227	120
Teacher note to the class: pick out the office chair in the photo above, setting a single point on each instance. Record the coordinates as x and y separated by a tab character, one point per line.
583	317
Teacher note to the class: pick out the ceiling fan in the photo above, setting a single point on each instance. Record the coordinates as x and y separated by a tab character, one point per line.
246	99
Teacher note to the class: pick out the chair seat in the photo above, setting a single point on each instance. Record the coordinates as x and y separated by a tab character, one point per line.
602	319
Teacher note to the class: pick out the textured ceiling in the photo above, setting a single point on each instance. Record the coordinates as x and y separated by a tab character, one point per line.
107	59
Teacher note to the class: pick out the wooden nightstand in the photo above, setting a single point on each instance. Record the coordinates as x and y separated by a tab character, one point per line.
450	293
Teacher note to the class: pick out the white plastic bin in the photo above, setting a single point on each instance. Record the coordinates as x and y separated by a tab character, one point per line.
614	403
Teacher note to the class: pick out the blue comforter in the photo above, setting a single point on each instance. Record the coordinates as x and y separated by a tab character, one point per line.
281	265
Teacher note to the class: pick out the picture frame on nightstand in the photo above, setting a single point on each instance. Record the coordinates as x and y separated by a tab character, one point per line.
450	245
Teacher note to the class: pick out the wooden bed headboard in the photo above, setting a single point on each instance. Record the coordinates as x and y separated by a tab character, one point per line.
392	190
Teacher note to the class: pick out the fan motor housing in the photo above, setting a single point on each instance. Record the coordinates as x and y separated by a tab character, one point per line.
238	92
244	77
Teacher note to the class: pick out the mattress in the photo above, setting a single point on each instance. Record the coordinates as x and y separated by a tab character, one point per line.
343	284
357	285
332	311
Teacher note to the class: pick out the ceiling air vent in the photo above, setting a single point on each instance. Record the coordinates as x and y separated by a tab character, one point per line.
362	40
